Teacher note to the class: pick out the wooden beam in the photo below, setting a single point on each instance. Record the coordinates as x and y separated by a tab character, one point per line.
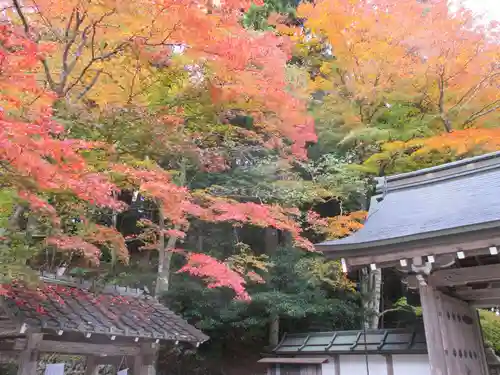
478	294
466	275
402	252
84	348
13	345
485	303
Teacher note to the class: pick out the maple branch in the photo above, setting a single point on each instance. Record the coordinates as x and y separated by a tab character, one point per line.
466	64
94	58
24	21
474	89
90	85
134	77
66	68
48	75
483	112
164	40
442	113
47	21
44	62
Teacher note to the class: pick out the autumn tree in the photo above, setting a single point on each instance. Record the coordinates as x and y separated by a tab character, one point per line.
181	91
398	86
38	163
402	71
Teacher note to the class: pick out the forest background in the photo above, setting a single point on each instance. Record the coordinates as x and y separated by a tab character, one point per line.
199	149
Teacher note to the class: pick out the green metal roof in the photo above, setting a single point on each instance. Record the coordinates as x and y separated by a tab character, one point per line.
354	342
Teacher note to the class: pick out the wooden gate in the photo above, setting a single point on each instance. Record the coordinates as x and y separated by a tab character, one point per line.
453	335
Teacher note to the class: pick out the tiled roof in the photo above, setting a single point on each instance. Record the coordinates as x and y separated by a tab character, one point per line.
460	196
69	308
353	342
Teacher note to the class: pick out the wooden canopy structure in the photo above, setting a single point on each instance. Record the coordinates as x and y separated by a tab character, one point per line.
117	325
440	226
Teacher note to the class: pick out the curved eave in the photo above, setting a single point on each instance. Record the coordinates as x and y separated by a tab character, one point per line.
453	237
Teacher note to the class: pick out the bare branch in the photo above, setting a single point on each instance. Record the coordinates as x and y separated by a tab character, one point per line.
483	112
442	113
21	16
121	47
474	89
90	85
70	40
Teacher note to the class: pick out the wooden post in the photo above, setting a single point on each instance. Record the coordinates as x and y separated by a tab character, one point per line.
390	364
92	367
144	363
29	356
479	332
432	330
139	368
453	336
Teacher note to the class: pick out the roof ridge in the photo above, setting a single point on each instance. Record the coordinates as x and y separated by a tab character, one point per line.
83	284
437	173
418	328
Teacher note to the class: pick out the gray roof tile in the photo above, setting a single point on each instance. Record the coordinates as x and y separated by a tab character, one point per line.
429	202
69	308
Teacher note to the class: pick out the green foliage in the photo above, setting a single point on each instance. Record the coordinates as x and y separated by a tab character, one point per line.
403	305
304	290
14	256
256	17
7	201
269	179
490	323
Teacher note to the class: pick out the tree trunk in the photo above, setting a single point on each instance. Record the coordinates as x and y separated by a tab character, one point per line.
164	261
165	252
274	330
371	288
271	242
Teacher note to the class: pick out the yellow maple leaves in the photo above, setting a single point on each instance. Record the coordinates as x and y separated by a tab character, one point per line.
343	225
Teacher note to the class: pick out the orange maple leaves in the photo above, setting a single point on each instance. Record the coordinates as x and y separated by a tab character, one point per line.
244	70
343	225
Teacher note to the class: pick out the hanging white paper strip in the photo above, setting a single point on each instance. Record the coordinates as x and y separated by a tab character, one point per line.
54	369
122	372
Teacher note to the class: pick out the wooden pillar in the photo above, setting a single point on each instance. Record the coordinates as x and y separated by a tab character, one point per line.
479	332
92	366
29	356
454	342
144	363
435	349
390	364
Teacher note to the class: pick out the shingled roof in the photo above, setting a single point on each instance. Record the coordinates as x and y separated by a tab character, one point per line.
116	311
390	341
459	197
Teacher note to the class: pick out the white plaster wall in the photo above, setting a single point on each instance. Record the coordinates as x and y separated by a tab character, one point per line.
356	365
328	368
411	364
